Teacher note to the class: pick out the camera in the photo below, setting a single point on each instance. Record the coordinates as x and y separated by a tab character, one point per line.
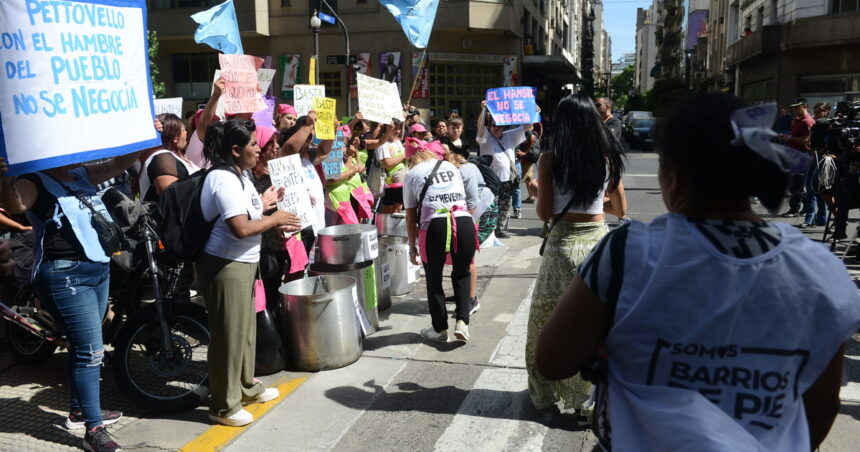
845	124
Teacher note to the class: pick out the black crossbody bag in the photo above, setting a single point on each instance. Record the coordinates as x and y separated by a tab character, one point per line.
109	234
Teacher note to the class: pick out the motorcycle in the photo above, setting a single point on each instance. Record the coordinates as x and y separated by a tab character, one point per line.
159	338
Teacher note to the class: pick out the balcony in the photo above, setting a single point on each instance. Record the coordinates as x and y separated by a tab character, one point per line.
762	42
174	22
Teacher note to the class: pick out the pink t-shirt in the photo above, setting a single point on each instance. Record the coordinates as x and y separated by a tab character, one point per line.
194	152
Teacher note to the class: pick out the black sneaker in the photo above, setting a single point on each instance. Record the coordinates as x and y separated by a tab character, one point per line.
474	305
502	235
76	420
790	214
99	440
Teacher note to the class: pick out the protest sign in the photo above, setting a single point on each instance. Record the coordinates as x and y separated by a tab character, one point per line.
266	117
378	100
79	72
333	164
512	105
324	125
169	105
264	79
303	97
240	83
287	172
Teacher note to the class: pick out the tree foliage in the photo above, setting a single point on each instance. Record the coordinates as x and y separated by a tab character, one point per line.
622	86
158	88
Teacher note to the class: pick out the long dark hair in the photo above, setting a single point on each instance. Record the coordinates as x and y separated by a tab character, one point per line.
171	129
222	136
582	149
695	140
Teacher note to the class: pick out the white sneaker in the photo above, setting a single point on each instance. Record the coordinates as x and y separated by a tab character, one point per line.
461	331
267	395
236	419
431	335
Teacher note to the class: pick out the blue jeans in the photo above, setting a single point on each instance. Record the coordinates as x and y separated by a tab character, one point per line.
816	208
76	295
516	201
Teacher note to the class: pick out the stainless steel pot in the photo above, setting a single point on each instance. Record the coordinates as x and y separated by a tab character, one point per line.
320	322
346	244
391	224
364	275
402	271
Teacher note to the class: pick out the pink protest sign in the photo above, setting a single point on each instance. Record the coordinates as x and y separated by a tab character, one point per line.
240	92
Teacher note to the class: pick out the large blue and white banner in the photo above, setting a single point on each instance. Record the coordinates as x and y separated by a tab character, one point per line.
75	82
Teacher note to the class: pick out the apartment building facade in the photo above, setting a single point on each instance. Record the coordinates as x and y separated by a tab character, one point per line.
475	45
646	68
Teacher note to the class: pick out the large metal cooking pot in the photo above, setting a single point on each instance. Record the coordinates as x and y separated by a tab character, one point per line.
320	322
391	224
403	273
346	244
365	286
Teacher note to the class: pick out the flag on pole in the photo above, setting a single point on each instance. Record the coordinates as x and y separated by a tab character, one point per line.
415	16
219	29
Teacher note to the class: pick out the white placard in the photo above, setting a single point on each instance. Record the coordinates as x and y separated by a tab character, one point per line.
386	275
169	105
378	100
77	71
287	172
303	97
264	79
370	243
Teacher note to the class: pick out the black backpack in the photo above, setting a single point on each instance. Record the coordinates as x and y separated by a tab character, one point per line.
491	180
184	229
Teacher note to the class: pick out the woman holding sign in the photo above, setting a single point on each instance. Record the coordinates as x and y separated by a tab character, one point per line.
227	268
716	330
584	163
438	223
392	156
72	273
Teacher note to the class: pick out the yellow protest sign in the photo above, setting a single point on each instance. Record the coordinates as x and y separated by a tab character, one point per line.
324	125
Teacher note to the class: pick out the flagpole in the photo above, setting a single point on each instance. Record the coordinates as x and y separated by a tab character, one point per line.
417	75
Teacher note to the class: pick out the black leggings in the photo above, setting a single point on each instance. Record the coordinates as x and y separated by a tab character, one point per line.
460	275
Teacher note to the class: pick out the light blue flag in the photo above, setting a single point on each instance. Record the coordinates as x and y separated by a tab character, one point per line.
415	16
218	28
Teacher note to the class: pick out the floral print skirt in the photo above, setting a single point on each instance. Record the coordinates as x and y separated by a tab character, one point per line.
567	246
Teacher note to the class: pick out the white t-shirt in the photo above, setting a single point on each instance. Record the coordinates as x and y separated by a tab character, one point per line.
223	198
388	150
502	150
445	192
316	190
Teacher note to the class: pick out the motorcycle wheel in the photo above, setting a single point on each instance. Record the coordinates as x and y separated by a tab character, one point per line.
27	348
154	379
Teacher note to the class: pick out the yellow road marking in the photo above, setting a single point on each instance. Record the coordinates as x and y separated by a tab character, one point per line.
218	436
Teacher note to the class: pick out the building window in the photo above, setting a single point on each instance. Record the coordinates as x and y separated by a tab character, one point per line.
331	80
165	4
759	92
774	8
193	73
759	18
286	3
845	6
461	88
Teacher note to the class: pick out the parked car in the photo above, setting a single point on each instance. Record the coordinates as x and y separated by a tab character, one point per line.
640	133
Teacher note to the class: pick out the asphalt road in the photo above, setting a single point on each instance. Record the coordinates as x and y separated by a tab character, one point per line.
403	394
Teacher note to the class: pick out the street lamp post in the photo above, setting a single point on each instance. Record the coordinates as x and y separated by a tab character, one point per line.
315	25
349	66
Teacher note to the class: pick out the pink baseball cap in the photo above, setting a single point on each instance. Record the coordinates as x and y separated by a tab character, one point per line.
414	146
286	109
417	128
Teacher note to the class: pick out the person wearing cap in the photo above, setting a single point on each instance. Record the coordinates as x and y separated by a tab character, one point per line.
709	328
438	224
419	132
413	116
798	138
495	141
285	117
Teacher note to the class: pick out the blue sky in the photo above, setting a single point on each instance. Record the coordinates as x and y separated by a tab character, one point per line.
620	21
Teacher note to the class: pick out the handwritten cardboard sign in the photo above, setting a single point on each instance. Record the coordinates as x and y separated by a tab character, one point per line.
78	71
333	164
303	97
168	105
287	172
378	100
264	79
240	89
324	125
513	105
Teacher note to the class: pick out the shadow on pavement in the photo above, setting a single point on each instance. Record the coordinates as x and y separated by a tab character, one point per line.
407	396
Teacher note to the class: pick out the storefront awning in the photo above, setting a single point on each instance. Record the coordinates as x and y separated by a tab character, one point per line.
554	67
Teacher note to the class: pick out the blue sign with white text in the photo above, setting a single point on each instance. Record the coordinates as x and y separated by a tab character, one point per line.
333	164
513	105
326	18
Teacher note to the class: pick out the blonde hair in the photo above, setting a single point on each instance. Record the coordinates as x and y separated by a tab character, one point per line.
455	159
421	156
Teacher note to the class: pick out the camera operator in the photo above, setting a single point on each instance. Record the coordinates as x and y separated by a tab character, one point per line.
842	142
797	139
